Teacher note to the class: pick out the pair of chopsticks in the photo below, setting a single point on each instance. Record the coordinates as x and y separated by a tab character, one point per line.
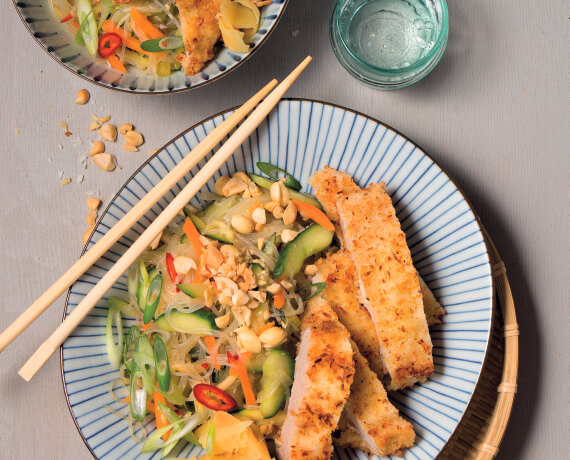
48	348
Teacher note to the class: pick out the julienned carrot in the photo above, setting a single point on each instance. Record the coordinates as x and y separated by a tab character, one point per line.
116	64
212	350
245	383
193	235
130	41
278	300
161	420
142	23
314	214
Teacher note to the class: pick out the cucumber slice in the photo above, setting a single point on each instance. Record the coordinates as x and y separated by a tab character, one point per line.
255	364
307	243
217	209
203	319
215	229
266	183
193	290
278	365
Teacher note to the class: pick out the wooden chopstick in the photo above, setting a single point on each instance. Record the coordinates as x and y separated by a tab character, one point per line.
130	218
42	354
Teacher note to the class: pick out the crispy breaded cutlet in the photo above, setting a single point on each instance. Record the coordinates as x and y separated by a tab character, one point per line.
324	370
432	308
343	294
369	421
389	283
331	185
200	32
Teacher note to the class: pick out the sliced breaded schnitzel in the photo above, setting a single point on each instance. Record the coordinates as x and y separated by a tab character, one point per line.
432	308
343	295
369	421
389	283
331	185
200	32
324	370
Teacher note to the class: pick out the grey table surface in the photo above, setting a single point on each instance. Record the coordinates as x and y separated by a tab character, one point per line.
494	113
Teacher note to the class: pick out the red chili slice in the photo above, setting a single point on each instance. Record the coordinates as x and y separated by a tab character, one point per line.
67	18
214	398
108	44
170	267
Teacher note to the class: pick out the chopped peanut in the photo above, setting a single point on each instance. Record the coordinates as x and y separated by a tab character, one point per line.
234	186
242	223
130	148
134	138
93	203
220	183
94	125
104	119
124	128
243	176
82	97
108	132
105	161
290	213
97	147
91	217
288	235
223	321
86	235
310	269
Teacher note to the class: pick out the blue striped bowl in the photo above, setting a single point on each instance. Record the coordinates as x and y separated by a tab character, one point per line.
55	38
301	136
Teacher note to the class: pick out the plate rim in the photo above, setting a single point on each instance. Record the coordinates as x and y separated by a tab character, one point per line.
358	113
147	92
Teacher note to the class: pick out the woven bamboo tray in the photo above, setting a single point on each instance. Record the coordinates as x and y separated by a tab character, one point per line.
481	430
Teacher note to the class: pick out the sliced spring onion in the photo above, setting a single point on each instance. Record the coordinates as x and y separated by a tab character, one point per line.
132	282
174	395
143	359
272	170
210	439
161	363
318	289
173	417
152	298
137	393
87	32
154	441
118	304
132	336
157	45
114	349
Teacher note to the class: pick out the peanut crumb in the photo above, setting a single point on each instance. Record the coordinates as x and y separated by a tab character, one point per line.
64	182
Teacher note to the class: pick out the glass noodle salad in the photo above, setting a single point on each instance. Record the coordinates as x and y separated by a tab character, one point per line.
158	37
215	305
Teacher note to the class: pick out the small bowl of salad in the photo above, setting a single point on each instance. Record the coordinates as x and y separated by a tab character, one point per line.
150	46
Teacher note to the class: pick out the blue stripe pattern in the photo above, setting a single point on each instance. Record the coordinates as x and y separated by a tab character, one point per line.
58	41
303	136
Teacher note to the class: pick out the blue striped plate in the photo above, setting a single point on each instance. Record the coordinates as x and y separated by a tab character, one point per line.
302	136
55	38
